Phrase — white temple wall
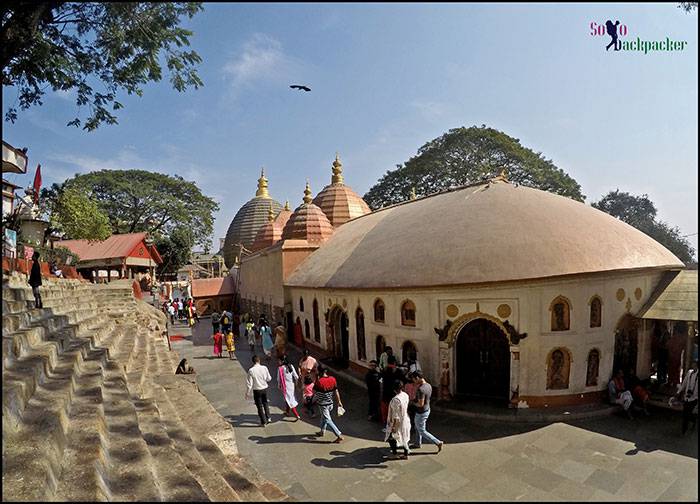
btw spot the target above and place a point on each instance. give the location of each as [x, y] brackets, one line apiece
[528, 304]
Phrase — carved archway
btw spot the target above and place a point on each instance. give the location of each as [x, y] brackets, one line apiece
[463, 320]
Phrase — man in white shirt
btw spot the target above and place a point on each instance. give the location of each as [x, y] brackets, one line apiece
[688, 393]
[258, 378]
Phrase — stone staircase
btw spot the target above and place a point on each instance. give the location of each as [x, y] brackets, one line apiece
[92, 409]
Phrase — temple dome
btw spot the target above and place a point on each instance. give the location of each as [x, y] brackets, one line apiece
[308, 222]
[284, 215]
[338, 201]
[491, 232]
[248, 220]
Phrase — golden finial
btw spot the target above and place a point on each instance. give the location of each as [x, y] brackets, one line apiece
[271, 213]
[413, 193]
[286, 205]
[262, 185]
[337, 170]
[307, 193]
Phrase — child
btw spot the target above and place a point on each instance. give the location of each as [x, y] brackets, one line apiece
[309, 394]
[229, 345]
[218, 338]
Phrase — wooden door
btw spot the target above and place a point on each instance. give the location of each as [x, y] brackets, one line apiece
[483, 361]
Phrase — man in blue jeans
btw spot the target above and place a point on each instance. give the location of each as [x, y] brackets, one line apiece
[422, 404]
[325, 389]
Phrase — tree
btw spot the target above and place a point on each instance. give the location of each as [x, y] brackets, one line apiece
[79, 217]
[77, 45]
[175, 250]
[640, 212]
[138, 200]
[465, 156]
[688, 6]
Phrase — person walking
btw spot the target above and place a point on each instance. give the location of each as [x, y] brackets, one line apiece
[308, 365]
[308, 394]
[171, 312]
[266, 339]
[180, 309]
[226, 320]
[250, 334]
[215, 321]
[688, 394]
[35, 280]
[230, 346]
[398, 425]
[325, 389]
[280, 339]
[286, 379]
[373, 380]
[422, 405]
[218, 343]
[390, 374]
[256, 382]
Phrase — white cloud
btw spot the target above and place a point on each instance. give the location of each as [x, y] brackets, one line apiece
[262, 59]
[430, 110]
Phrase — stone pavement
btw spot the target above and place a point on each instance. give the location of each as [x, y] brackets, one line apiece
[602, 459]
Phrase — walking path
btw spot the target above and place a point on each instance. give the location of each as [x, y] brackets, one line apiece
[607, 458]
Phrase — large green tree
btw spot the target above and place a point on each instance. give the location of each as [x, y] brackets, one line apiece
[79, 217]
[466, 156]
[175, 250]
[640, 212]
[139, 200]
[95, 49]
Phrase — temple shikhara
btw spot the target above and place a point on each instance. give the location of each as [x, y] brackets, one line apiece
[501, 291]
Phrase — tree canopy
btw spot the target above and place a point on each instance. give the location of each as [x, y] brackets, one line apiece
[175, 250]
[79, 217]
[640, 212]
[139, 200]
[96, 49]
[465, 156]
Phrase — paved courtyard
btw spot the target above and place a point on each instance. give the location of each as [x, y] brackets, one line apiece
[603, 459]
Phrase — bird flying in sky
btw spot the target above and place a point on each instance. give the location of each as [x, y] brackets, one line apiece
[297, 86]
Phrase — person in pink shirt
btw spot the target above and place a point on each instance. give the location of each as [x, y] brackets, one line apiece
[307, 366]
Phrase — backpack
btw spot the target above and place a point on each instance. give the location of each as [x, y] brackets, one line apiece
[225, 320]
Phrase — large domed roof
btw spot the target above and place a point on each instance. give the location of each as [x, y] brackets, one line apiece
[248, 221]
[308, 222]
[490, 232]
[338, 201]
[271, 232]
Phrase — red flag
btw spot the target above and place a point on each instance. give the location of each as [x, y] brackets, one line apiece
[37, 183]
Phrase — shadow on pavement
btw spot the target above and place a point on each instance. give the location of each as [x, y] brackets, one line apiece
[660, 431]
[291, 438]
[362, 458]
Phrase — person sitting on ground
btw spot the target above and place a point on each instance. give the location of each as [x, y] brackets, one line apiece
[640, 395]
[184, 368]
[618, 394]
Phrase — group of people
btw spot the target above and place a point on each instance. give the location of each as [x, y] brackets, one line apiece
[318, 389]
[399, 397]
[628, 391]
[181, 309]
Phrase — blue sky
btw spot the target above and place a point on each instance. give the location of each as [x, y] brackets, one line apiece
[386, 78]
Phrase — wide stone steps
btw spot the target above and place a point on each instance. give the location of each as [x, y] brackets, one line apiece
[92, 409]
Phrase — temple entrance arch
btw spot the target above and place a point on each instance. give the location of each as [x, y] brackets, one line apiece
[339, 335]
[482, 361]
